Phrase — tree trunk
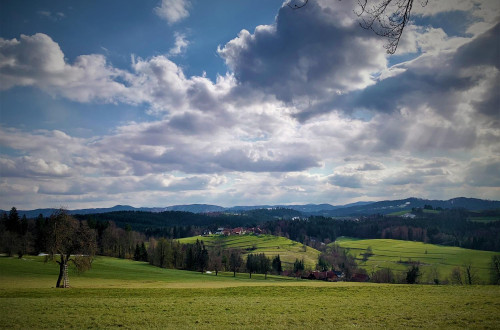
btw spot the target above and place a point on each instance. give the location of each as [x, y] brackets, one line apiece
[61, 272]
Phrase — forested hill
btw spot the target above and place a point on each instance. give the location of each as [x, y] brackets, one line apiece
[353, 209]
[388, 207]
[152, 222]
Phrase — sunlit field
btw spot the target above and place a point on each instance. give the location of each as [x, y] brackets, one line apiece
[395, 254]
[271, 245]
[123, 293]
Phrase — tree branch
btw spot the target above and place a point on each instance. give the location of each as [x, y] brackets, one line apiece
[295, 6]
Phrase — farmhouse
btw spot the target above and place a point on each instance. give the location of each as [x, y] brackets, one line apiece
[238, 231]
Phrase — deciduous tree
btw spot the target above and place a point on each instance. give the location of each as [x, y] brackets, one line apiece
[235, 261]
[70, 241]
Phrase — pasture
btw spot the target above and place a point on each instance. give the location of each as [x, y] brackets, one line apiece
[121, 293]
[271, 245]
[396, 254]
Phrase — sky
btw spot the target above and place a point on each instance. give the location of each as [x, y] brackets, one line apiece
[157, 103]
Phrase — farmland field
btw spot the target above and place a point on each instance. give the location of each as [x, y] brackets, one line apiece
[120, 293]
[400, 213]
[395, 254]
[484, 219]
[270, 245]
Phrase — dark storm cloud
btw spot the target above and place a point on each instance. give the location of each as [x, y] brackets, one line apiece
[370, 166]
[483, 173]
[238, 160]
[484, 50]
[346, 180]
[311, 52]
[434, 80]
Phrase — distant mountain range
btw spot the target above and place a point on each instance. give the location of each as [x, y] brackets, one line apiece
[353, 209]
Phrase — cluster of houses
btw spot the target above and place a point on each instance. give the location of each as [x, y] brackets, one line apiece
[235, 231]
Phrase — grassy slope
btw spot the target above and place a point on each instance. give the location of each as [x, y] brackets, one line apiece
[32, 272]
[388, 253]
[117, 293]
[270, 245]
[484, 219]
[399, 213]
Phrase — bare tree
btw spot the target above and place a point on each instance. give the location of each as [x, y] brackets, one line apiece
[235, 261]
[433, 275]
[71, 241]
[386, 18]
[297, 5]
[456, 276]
[470, 274]
[215, 260]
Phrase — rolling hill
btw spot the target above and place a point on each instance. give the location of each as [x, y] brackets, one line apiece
[271, 245]
[396, 254]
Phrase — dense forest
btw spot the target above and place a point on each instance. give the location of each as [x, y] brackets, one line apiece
[177, 224]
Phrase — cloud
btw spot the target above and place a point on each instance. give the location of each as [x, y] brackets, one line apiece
[346, 180]
[28, 166]
[483, 172]
[307, 55]
[180, 45]
[51, 16]
[371, 166]
[306, 96]
[38, 61]
[413, 176]
[173, 11]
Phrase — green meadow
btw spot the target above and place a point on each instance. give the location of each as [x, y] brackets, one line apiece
[395, 254]
[271, 245]
[126, 294]
[484, 219]
[400, 213]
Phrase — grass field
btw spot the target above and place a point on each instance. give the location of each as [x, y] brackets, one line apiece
[399, 213]
[271, 245]
[121, 293]
[33, 272]
[484, 219]
[389, 253]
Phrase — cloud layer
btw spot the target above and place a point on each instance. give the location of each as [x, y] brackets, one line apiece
[310, 110]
